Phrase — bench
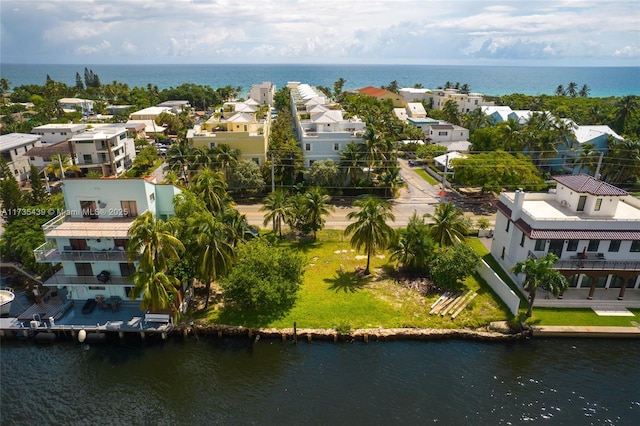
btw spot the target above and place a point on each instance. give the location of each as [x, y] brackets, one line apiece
[160, 318]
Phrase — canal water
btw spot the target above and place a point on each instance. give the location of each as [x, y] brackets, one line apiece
[229, 381]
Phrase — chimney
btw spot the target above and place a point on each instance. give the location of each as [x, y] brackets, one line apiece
[518, 201]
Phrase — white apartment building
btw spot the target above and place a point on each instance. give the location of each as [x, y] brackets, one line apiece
[592, 226]
[13, 146]
[263, 93]
[91, 238]
[320, 127]
[106, 148]
[54, 133]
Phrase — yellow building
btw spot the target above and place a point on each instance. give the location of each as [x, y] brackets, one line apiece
[242, 131]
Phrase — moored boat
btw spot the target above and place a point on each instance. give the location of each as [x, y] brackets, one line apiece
[6, 297]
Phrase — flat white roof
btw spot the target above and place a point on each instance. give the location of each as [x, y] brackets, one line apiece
[17, 140]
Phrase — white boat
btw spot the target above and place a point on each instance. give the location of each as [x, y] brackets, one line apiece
[6, 297]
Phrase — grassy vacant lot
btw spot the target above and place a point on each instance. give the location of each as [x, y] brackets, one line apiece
[579, 317]
[334, 296]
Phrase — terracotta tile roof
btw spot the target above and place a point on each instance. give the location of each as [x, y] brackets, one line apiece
[374, 91]
[589, 184]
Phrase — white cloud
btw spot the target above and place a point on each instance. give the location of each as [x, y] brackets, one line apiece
[283, 30]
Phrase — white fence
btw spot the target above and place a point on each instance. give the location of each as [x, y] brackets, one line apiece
[503, 291]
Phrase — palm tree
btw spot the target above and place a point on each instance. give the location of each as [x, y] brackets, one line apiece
[625, 108]
[158, 289]
[351, 162]
[278, 210]
[588, 157]
[211, 188]
[370, 230]
[512, 136]
[373, 145]
[413, 247]
[391, 180]
[226, 157]
[155, 242]
[449, 224]
[584, 91]
[572, 89]
[560, 90]
[316, 207]
[450, 112]
[540, 272]
[60, 165]
[215, 251]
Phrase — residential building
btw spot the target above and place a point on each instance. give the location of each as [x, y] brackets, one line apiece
[54, 133]
[263, 93]
[42, 156]
[106, 148]
[90, 239]
[466, 102]
[13, 146]
[382, 95]
[246, 129]
[412, 94]
[85, 106]
[592, 226]
[320, 127]
[416, 110]
[176, 106]
[569, 152]
[150, 113]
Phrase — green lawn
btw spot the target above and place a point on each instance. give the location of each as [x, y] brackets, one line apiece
[332, 295]
[579, 317]
[426, 176]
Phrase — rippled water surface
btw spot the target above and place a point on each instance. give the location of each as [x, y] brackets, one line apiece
[224, 381]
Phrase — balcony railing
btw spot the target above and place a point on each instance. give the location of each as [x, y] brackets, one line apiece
[597, 265]
[49, 252]
[60, 279]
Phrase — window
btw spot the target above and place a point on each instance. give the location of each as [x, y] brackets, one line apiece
[540, 245]
[307, 147]
[572, 245]
[97, 287]
[212, 144]
[443, 133]
[522, 239]
[336, 146]
[256, 160]
[614, 245]
[87, 158]
[593, 245]
[503, 253]
[635, 246]
[508, 223]
[598, 204]
[152, 197]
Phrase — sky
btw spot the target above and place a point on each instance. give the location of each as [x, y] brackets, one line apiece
[484, 32]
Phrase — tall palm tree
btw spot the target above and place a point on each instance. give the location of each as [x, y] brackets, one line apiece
[155, 242]
[316, 208]
[450, 112]
[572, 89]
[391, 180]
[372, 147]
[625, 108]
[226, 157]
[449, 224]
[278, 210]
[215, 251]
[370, 230]
[540, 272]
[588, 157]
[584, 91]
[512, 136]
[351, 162]
[211, 188]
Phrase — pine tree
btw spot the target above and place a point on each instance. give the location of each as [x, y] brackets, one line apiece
[79, 84]
[38, 191]
[10, 194]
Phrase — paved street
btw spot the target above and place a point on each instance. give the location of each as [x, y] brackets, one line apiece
[417, 196]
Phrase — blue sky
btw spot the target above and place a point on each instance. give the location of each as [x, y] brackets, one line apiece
[570, 32]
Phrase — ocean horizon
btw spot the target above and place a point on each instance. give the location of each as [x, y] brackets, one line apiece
[492, 80]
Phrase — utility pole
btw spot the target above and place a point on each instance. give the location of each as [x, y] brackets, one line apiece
[597, 173]
[273, 175]
[443, 195]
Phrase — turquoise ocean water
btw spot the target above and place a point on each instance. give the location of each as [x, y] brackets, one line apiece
[490, 80]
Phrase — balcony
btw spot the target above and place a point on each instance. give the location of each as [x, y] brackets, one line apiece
[60, 279]
[595, 264]
[50, 253]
